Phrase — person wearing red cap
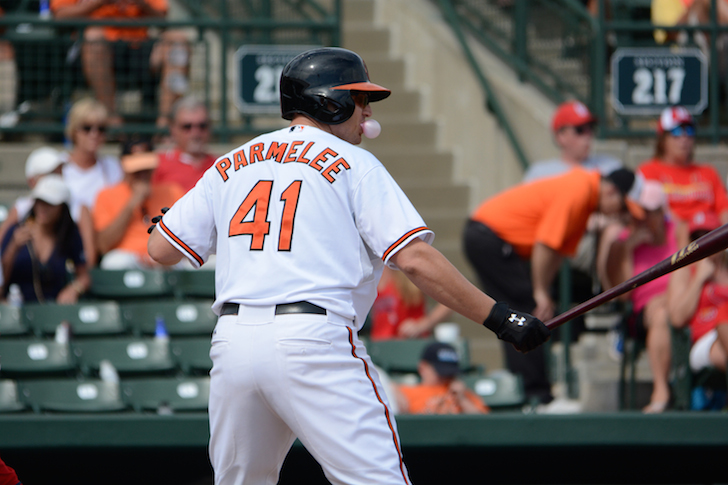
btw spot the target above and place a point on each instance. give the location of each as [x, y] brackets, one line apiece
[698, 299]
[690, 187]
[643, 243]
[573, 129]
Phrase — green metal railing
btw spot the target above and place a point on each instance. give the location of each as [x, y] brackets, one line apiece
[50, 77]
[564, 51]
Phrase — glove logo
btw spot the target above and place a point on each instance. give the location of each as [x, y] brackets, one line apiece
[520, 321]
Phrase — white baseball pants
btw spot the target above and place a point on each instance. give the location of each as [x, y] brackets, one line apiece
[276, 378]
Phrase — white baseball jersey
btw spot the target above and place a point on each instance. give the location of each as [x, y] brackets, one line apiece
[296, 214]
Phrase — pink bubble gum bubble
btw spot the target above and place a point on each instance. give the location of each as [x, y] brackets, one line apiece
[371, 128]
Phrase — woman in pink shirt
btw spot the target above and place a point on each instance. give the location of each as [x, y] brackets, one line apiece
[641, 245]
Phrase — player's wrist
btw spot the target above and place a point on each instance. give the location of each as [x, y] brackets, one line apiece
[497, 316]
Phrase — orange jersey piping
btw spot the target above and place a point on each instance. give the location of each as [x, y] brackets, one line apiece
[403, 238]
[181, 244]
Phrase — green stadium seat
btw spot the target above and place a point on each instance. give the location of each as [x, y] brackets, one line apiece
[180, 317]
[126, 284]
[129, 355]
[193, 283]
[9, 400]
[500, 389]
[11, 322]
[35, 357]
[192, 354]
[167, 394]
[72, 396]
[402, 356]
[85, 318]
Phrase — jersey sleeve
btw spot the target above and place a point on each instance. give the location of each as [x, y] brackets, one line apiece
[385, 217]
[189, 225]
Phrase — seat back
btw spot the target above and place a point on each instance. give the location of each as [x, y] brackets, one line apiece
[402, 356]
[192, 354]
[35, 357]
[11, 322]
[180, 317]
[167, 394]
[9, 399]
[129, 355]
[125, 284]
[87, 318]
[70, 395]
[193, 283]
[500, 389]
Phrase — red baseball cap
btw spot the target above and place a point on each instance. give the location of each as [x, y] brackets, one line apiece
[673, 117]
[704, 221]
[571, 113]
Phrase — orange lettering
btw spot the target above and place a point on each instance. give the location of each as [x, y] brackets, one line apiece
[276, 151]
[256, 153]
[239, 159]
[291, 156]
[305, 150]
[334, 167]
[322, 157]
[222, 166]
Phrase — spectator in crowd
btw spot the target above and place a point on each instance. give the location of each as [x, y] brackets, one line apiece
[38, 252]
[573, 128]
[41, 161]
[188, 159]
[439, 391]
[517, 240]
[8, 475]
[698, 299]
[86, 171]
[644, 243]
[106, 49]
[399, 310]
[690, 187]
[123, 213]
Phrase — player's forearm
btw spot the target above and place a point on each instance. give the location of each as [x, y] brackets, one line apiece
[161, 250]
[545, 263]
[431, 272]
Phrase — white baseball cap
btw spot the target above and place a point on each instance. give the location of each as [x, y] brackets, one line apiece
[51, 189]
[42, 161]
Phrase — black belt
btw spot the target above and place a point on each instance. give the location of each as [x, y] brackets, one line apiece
[284, 309]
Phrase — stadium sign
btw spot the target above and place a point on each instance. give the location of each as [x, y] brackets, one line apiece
[647, 80]
[259, 70]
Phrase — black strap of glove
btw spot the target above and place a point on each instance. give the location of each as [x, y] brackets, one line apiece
[497, 316]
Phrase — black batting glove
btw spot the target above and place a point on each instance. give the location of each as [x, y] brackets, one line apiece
[524, 331]
[156, 219]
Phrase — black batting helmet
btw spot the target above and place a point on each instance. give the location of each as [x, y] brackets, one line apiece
[319, 83]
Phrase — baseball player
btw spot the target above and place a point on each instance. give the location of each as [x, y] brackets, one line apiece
[302, 222]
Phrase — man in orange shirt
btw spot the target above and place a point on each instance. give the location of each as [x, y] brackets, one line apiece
[123, 212]
[106, 49]
[439, 391]
[517, 240]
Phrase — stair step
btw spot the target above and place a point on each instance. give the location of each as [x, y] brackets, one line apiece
[357, 12]
[367, 41]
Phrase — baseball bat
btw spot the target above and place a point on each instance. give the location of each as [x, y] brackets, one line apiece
[702, 247]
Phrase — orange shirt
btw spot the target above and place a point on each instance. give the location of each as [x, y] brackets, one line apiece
[111, 201]
[119, 11]
[690, 188]
[436, 399]
[553, 211]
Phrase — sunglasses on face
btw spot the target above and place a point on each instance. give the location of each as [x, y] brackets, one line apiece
[683, 130]
[586, 129]
[89, 128]
[361, 99]
[200, 126]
